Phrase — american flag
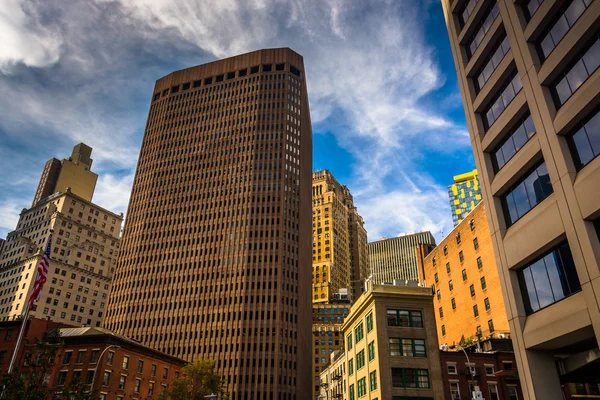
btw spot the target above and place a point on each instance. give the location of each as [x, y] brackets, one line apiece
[42, 273]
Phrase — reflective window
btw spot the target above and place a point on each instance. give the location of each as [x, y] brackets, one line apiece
[513, 142]
[585, 141]
[494, 59]
[486, 25]
[503, 99]
[530, 190]
[549, 279]
[466, 11]
[531, 7]
[585, 65]
[560, 25]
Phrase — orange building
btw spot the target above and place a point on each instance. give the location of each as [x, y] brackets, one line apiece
[462, 269]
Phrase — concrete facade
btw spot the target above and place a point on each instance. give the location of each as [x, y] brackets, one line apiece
[534, 64]
[216, 259]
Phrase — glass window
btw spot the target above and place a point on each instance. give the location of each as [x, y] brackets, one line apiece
[349, 339]
[105, 378]
[584, 142]
[512, 393]
[122, 382]
[472, 290]
[560, 25]
[549, 279]
[503, 99]
[465, 12]
[373, 380]
[125, 362]
[513, 142]
[370, 322]
[571, 79]
[407, 318]
[362, 387]
[493, 391]
[479, 263]
[371, 351]
[475, 311]
[453, 301]
[454, 391]
[483, 284]
[351, 392]
[494, 59]
[464, 274]
[530, 190]
[486, 302]
[450, 285]
[67, 357]
[530, 7]
[140, 367]
[360, 359]
[491, 325]
[484, 27]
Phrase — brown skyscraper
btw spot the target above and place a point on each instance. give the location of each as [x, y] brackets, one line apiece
[529, 77]
[216, 251]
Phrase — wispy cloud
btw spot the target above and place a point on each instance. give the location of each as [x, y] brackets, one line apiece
[89, 74]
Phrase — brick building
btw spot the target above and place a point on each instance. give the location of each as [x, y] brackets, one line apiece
[462, 270]
[124, 369]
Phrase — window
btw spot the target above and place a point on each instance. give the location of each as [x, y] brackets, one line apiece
[359, 332]
[452, 369]
[369, 322]
[513, 142]
[360, 359]
[153, 370]
[125, 362]
[67, 357]
[371, 351]
[528, 192]
[436, 277]
[472, 225]
[105, 378]
[475, 243]
[476, 39]
[530, 8]
[483, 284]
[465, 12]
[491, 325]
[407, 347]
[362, 387]
[441, 312]
[464, 274]
[165, 373]
[410, 378]
[445, 250]
[80, 356]
[450, 285]
[496, 56]
[94, 357]
[584, 142]
[89, 377]
[486, 301]
[136, 388]
[479, 263]
[549, 279]
[453, 301]
[503, 99]
[475, 311]
[140, 367]
[439, 295]
[443, 330]
[373, 380]
[110, 357]
[454, 391]
[349, 341]
[448, 267]
[351, 392]
[512, 393]
[406, 318]
[493, 391]
[560, 26]
[489, 370]
[461, 257]
[350, 366]
[150, 388]
[585, 65]
[433, 262]
[122, 382]
[458, 238]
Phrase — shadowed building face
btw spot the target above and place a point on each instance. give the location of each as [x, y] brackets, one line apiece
[216, 261]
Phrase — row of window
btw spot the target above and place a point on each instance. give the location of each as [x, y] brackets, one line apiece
[361, 386]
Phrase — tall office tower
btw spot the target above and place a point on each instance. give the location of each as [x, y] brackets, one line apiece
[529, 81]
[216, 248]
[85, 244]
[339, 239]
[465, 194]
[396, 259]
[73, 172]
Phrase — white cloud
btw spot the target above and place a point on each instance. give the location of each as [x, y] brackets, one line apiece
[112, 192]
[9, 214]
[23, 39]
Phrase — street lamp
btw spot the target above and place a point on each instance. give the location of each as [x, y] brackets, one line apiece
[113, 346]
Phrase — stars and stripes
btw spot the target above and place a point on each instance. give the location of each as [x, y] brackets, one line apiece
[42, 273]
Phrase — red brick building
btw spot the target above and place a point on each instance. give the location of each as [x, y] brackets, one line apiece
[494, 373]
[124, 369]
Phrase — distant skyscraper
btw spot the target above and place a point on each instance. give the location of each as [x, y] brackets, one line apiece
[84, 247]
[396, 258]
[339, 240]
[464, 194]
[216, 250]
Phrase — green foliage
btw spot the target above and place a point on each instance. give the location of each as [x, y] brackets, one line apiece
[197, 380]
[30, 382]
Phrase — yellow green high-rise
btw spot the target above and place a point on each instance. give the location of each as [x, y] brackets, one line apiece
[464, 195]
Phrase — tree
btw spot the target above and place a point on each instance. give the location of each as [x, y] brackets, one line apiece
[30, 382]
[197, 380]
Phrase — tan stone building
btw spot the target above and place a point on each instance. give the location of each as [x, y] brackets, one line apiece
[333, 378]
[339, 240]
[528, 73]
[391, 347]
[462, 271]
[216, 250]
[85, 244]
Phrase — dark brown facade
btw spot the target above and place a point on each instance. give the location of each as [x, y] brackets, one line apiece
[529, 78]
[216, 261]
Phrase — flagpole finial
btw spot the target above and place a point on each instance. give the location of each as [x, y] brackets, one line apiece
[51, 230]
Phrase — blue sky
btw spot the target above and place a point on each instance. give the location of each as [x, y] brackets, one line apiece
[385, 104]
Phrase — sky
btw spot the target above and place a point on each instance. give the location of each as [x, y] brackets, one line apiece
[387, 115]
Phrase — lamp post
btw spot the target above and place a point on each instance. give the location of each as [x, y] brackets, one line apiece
[112, 346]
[471, 370]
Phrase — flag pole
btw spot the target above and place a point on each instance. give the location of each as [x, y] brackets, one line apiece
[13, 359]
